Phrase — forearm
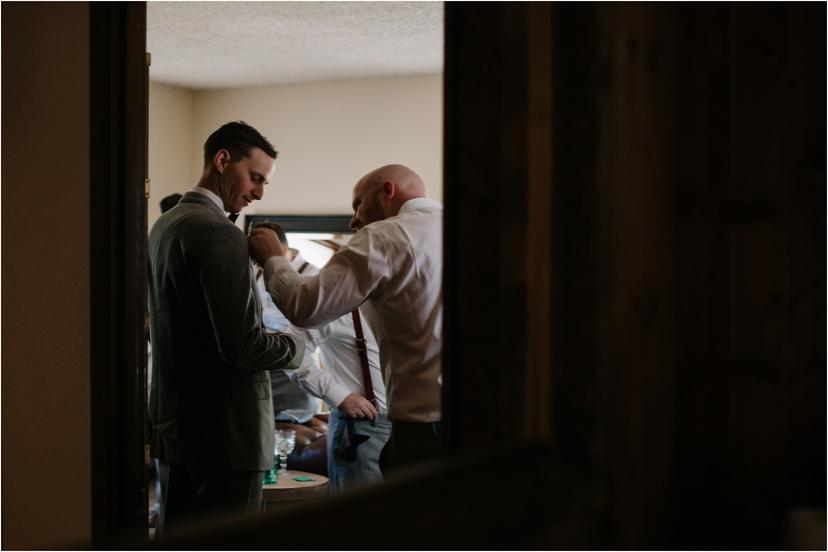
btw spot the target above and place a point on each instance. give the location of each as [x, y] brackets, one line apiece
[268, 352]
[319, 384]
[309, 301]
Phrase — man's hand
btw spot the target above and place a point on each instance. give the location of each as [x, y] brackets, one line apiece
[264, 244]
[357, 406]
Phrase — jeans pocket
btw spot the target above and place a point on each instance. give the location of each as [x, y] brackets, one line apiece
[347, 440]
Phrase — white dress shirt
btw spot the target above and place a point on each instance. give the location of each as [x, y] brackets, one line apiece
[393, 269]
[341, 372]
[286, 391]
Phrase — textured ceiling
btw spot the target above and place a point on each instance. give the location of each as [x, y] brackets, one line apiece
[233, 44]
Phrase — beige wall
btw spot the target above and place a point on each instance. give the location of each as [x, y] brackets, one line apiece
[328, 135]
[46, 431]
[170, 157]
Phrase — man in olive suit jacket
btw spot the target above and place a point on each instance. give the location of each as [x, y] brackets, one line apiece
[211, 408]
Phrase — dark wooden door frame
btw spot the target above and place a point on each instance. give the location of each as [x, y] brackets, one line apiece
[118, 206]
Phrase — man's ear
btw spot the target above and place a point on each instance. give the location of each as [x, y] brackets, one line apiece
[390, 189]
[220, 160]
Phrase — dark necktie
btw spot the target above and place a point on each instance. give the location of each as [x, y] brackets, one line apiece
[233, 217]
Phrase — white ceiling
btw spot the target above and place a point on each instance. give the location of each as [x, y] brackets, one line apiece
[234, 44]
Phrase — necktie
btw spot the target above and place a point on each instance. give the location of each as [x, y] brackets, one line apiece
[233, 217]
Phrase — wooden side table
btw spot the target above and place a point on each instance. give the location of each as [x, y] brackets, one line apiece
[287, 489]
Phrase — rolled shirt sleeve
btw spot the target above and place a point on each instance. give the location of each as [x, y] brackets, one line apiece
[318, 382]
[349, 278]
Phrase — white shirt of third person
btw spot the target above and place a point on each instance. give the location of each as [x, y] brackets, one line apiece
[341, 372]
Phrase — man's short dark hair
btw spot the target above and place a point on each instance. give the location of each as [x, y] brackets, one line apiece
[169, 202]
[276, 228]
[239, 139]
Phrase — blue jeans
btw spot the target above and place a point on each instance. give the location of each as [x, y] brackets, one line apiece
[349, 463]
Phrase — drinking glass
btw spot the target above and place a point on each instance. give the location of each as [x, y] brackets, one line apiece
[270, 475]
[285, 441]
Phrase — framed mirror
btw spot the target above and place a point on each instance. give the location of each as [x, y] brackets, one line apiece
[318, 237]
[324, 224]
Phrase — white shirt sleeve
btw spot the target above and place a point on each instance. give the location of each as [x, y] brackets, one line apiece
[343, 284]
[318, 382]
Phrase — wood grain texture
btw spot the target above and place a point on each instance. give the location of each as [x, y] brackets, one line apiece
[119, 85]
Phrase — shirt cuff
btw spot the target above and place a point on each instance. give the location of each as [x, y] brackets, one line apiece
[336, 396]
[276, 263]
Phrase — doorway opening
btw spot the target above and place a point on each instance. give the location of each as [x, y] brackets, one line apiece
[339, 88]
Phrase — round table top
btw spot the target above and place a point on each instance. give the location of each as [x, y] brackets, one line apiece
[288, 488]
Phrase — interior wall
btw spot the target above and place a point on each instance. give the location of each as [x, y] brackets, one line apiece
[170, 154]
[330, 134]
[327, 133]
[46, 433]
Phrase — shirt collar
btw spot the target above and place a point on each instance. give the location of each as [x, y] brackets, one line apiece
[213, 197]
[420, 203]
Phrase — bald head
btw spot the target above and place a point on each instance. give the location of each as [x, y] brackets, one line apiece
[408, 183]
[380, 193]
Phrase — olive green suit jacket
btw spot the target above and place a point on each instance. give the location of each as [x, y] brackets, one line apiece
[210, 401]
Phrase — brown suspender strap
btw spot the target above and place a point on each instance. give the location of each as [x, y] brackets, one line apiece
[362, 349]
[303, 267]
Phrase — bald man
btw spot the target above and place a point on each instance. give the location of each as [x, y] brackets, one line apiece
[392, 269]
